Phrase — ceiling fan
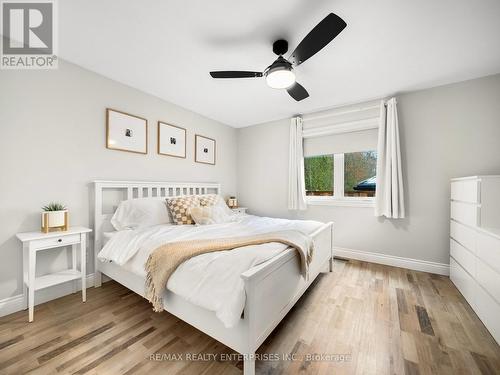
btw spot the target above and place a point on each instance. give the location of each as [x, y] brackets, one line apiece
[280, 74]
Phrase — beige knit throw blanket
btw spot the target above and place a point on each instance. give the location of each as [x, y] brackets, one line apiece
[164, 260]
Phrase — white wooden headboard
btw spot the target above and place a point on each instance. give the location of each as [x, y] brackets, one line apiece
[123, 190]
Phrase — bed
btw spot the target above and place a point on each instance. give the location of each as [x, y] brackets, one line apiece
[264, 304]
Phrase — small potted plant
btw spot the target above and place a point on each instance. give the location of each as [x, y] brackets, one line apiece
[54, 217]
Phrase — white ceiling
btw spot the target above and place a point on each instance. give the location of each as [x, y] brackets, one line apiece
[166, 48]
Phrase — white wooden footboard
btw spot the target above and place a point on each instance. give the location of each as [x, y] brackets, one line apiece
[273, 289]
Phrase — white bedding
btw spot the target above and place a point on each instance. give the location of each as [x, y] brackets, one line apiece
[211, 280]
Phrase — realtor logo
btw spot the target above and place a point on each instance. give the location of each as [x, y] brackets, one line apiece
[29, 36]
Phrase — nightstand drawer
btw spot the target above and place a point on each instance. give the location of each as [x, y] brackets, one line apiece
[239, 210]
[61, 240]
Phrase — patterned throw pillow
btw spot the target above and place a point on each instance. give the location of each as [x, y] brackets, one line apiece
[179, 208]
[209, 199]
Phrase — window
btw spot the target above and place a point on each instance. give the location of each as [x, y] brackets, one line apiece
[318, 172]
[359, 174]
[339, 157]
[346, 178]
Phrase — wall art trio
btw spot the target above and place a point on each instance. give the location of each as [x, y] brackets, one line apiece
[127, 132]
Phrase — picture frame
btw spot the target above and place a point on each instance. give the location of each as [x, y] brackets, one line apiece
[205, 150]
[172, 140]
[126, 132]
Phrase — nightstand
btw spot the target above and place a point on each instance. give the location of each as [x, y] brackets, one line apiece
[38, 241]
[239, 210]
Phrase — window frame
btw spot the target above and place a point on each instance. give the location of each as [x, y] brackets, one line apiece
[338, 198]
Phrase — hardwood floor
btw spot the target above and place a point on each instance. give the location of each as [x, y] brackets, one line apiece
[361, 319]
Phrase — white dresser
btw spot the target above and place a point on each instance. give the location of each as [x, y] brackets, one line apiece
[475, 245]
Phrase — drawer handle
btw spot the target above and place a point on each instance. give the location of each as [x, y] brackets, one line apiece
[59, 240]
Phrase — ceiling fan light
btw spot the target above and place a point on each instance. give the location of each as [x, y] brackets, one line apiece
[280, 78]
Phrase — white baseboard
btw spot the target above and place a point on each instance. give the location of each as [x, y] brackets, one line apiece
[391, 260]
[13, 304]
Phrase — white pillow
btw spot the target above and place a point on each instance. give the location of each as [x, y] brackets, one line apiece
[140, 213]
[215, 200]
[107, 236]
[205, 215]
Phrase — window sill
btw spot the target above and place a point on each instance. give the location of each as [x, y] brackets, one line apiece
[340, 202]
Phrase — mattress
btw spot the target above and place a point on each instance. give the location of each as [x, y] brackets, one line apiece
[211, 280]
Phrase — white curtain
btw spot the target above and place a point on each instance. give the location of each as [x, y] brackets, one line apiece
[296, 184]
[389, 199]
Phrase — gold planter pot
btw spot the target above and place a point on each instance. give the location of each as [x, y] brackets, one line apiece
[54, 221]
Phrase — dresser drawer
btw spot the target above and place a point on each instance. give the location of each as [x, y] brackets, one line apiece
[489, 279]
[463, 235]
[465, 191]
[465, 213]
[62, 240]
[463, 256]
[463, 281]
[488, 249]
[488, 311]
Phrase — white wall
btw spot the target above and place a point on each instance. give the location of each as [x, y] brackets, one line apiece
[52, 145]
[446, 132]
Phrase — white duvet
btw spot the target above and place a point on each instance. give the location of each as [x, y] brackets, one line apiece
[211, 280]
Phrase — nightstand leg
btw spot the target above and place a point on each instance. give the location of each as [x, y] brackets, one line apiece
[83, 265]
[73, 253]
[31, 283]
[25, 274]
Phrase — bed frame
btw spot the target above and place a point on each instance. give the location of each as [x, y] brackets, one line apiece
[266, 304]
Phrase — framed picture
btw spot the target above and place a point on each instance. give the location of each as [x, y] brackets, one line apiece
[126, 132]
[171, 140]
[204, 150]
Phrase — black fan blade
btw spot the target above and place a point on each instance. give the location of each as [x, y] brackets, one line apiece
[235, 74]
[298, 92]
[319, 37]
